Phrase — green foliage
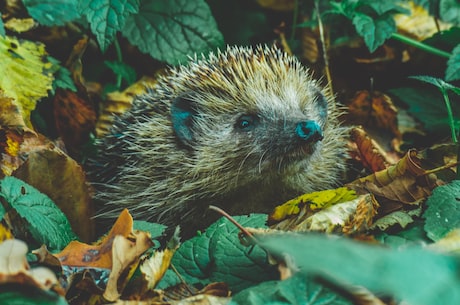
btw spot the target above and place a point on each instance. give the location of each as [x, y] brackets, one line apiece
[425, 104]
[47, 224]
[412, 274]
[167, 30]
[449, 11]
[107, 17]
[62, 77]
[217, 255]
[297, 289]
[20, 295]
[2, 27]
[373, 19]
[453, 65]
[444, 88]
[443, 212]
[171, 30]
[122, 70]
[52, 12]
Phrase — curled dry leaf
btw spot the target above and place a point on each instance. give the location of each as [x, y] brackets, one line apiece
[14, 268]
[125, 257]
[370, 153]
[405, 182]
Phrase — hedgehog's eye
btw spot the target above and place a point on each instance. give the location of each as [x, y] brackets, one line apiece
[246, 122]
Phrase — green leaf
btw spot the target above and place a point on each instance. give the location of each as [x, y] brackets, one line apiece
[125, 71]
[14, 294]
[47, 223]
[375, 31]
[218, 256]
[443, 212]
[449, 11]
[427, 105]
[453, 65]
[172, 30]
[62, 76]
[52, 12]
[411, 274]
[2, 27]
[298, 289]
[107, 17]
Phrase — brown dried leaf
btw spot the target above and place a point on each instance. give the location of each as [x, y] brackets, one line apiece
[372, 156]
[126, 252]
[374, 109]
[404, 182]
[75, 118]
[62, 179]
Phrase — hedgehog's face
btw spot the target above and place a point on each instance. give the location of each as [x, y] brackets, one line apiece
[254, 134]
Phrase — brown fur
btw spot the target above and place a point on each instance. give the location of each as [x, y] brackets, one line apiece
[148, 166]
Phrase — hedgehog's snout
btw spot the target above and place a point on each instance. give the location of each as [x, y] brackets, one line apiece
[309, 131]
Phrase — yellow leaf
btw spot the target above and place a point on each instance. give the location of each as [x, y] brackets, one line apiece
[26, 75]
[316, 201]
[20, 25]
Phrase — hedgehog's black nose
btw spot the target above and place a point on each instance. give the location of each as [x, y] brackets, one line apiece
[309, 131]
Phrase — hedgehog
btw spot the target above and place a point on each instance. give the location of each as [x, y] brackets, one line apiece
[244, 129]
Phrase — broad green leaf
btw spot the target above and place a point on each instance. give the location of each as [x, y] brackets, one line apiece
[449, 11]
[52, 12]
[443, 212]
[172, 30]
[413, 275]
[125, 71]
[453, 65]
[25, 72]
[374, 30]
[217, 255]
[297, 289]
[48, 225]
[15, 294]
[427, 105]
[107, 17]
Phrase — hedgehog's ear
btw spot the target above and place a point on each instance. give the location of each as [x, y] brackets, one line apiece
[182, 115]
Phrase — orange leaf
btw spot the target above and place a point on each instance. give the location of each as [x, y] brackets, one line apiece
[100, 255]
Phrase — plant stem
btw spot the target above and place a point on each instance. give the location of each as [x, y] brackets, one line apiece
[450, 114]
[119, 59]
[420, 45]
